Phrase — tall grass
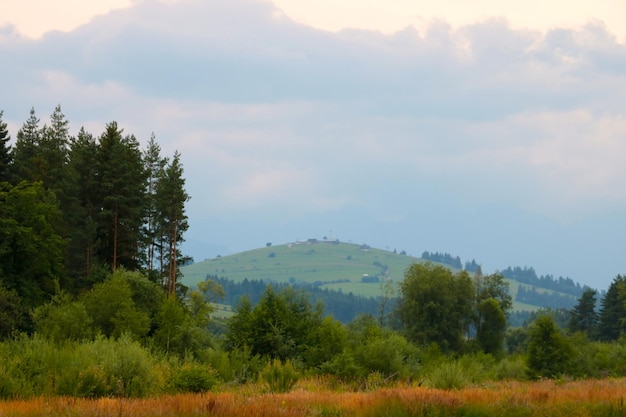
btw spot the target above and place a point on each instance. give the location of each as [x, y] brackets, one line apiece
[543, 398]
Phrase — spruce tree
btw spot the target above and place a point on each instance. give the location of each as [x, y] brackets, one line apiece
[122, 184]
[172, 197]
[152, 234]
[5, 151]
[613, 311]
[82, 221]
[583, 318]
[26, 166]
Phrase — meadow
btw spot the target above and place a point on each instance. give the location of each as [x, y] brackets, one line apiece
[316, 397]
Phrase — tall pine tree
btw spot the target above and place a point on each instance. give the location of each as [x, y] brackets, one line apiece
[121, 180]
[5, 151]
[26, 163]
[172, 197]
[613, 311]
[83, 198]
[154, 165]
[583, 318]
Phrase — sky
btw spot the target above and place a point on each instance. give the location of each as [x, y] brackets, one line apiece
[494, 132]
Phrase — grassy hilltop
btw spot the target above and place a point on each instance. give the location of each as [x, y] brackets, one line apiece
[336, 265]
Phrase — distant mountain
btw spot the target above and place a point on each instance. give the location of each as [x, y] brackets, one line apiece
[360, 269]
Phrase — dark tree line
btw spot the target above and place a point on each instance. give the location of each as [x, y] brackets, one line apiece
[76, 208]
[443, 258]
[529, 276]
[344, 307]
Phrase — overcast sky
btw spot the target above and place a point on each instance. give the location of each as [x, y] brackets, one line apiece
[495, 132]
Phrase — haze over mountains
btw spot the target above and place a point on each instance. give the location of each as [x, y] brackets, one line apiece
[485, 141]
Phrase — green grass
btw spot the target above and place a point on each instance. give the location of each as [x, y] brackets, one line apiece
[307, 263]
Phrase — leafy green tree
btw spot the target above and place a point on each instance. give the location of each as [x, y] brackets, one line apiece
[548, 350]
[612, 321]
[200, 301]
[121, 192]
[63, 319]
[584, 318]
[281, 326]
[5, 151]
[31, 246]
[171, 198]
[13, 314]
[492, 306]
[491, 327]
[112, 309]
[436, 305]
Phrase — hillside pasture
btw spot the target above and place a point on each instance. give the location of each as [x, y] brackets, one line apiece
[338, 266]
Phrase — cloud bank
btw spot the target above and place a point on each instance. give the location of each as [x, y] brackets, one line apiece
[485, 141]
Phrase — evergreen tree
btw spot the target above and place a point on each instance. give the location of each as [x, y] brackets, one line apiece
[121, 185]
[52, 152]
[152, 234]
[5, 151]
[612, 320]
[82, 220]
[171, 196]
[26, 164]
[583, 318]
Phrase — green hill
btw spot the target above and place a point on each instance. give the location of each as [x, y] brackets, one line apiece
[329, 264]
[334, 265]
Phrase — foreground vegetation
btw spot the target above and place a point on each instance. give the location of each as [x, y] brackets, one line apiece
[314, 398]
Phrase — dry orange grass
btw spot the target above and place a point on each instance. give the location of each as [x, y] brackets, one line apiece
[579, 398]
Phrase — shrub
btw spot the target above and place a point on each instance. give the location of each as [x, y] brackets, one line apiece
[448, 376]
[194, 377]
[280, 377]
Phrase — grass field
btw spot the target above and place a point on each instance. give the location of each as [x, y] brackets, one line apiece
[314, 398]
[303, 262]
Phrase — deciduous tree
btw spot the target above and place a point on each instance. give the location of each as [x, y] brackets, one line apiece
[436, 305]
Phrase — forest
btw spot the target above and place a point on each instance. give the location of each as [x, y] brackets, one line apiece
[92, 305]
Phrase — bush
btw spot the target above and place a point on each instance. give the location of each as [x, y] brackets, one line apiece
[448, 376]
[194, 377]
[280, 377]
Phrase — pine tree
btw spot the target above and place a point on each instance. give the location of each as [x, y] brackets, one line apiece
[172, 197]
[121, 182]
[26, 164]
[82, 195]
[5, 151]
[583, 318]
[613, 311]
[52, 151]
[154, 165]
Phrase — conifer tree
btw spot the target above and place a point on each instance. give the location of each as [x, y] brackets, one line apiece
[26, 165]
[82, 221]
[5, 151]
[172, 197]
[152, 233]
[121, 192]
[613, 311]
[583, 318]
